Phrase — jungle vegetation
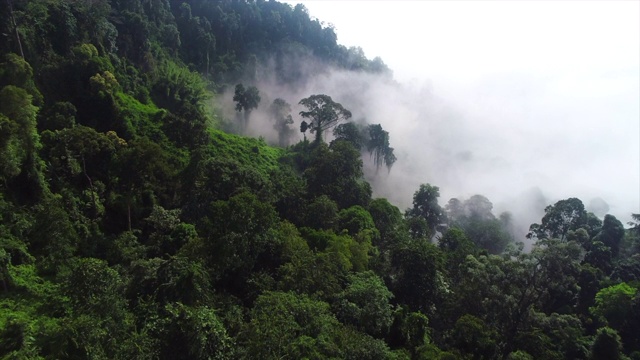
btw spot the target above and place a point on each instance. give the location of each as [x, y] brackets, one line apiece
[134, 227]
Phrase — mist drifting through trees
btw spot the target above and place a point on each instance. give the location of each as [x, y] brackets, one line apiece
[224, 180]
[551, 109]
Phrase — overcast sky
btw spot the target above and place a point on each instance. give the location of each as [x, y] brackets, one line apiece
[543, 93]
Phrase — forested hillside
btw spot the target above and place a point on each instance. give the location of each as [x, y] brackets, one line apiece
[140, 222]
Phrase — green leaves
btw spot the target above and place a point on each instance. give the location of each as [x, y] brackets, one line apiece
[564, 215]
[372, 137]
[425, 206]
[323, 112]
[18, 137]
[195, 332]
[613, 304]
[470, 335]
[336, 172]
[132, 230]
[354, 220]
[280, 112]
[238, 231]
[17, 72]
[607, 345]
[93, 287]
[378, 146]
[176, 87]
[290, 325]
[350, 132]
[246, 100]
[99, 318]
[611, 234]
[417, 278]
[365, 304]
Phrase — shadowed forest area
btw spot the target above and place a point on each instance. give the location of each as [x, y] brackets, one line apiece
[140, 221]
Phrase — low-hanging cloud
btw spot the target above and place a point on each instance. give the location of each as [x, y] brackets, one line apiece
[522, 152]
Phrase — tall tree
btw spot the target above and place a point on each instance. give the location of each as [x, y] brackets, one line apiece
[378, 147]
[281, 113]
[425, 206]
[323, 112]
[350, 132]
[611, 234]
[365, 304]
[559, 218]
[246, 100]
[19, 142]
[16, 71]
[15, 27]
[607, 345]
[288, 325]
[635, 223]
[416, 275]
[614, 305]
[304, 126]
[479, 207]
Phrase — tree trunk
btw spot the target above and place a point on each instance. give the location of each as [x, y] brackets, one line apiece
[247, 113]
[15, 26]
[93, 194]
[207, 70]
[318, 135]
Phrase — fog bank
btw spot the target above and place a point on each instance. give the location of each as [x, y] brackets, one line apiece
[519, 151]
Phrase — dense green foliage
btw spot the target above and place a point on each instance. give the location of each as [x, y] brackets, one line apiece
[132, 227]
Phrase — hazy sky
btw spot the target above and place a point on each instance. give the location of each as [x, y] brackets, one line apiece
[529, 94]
